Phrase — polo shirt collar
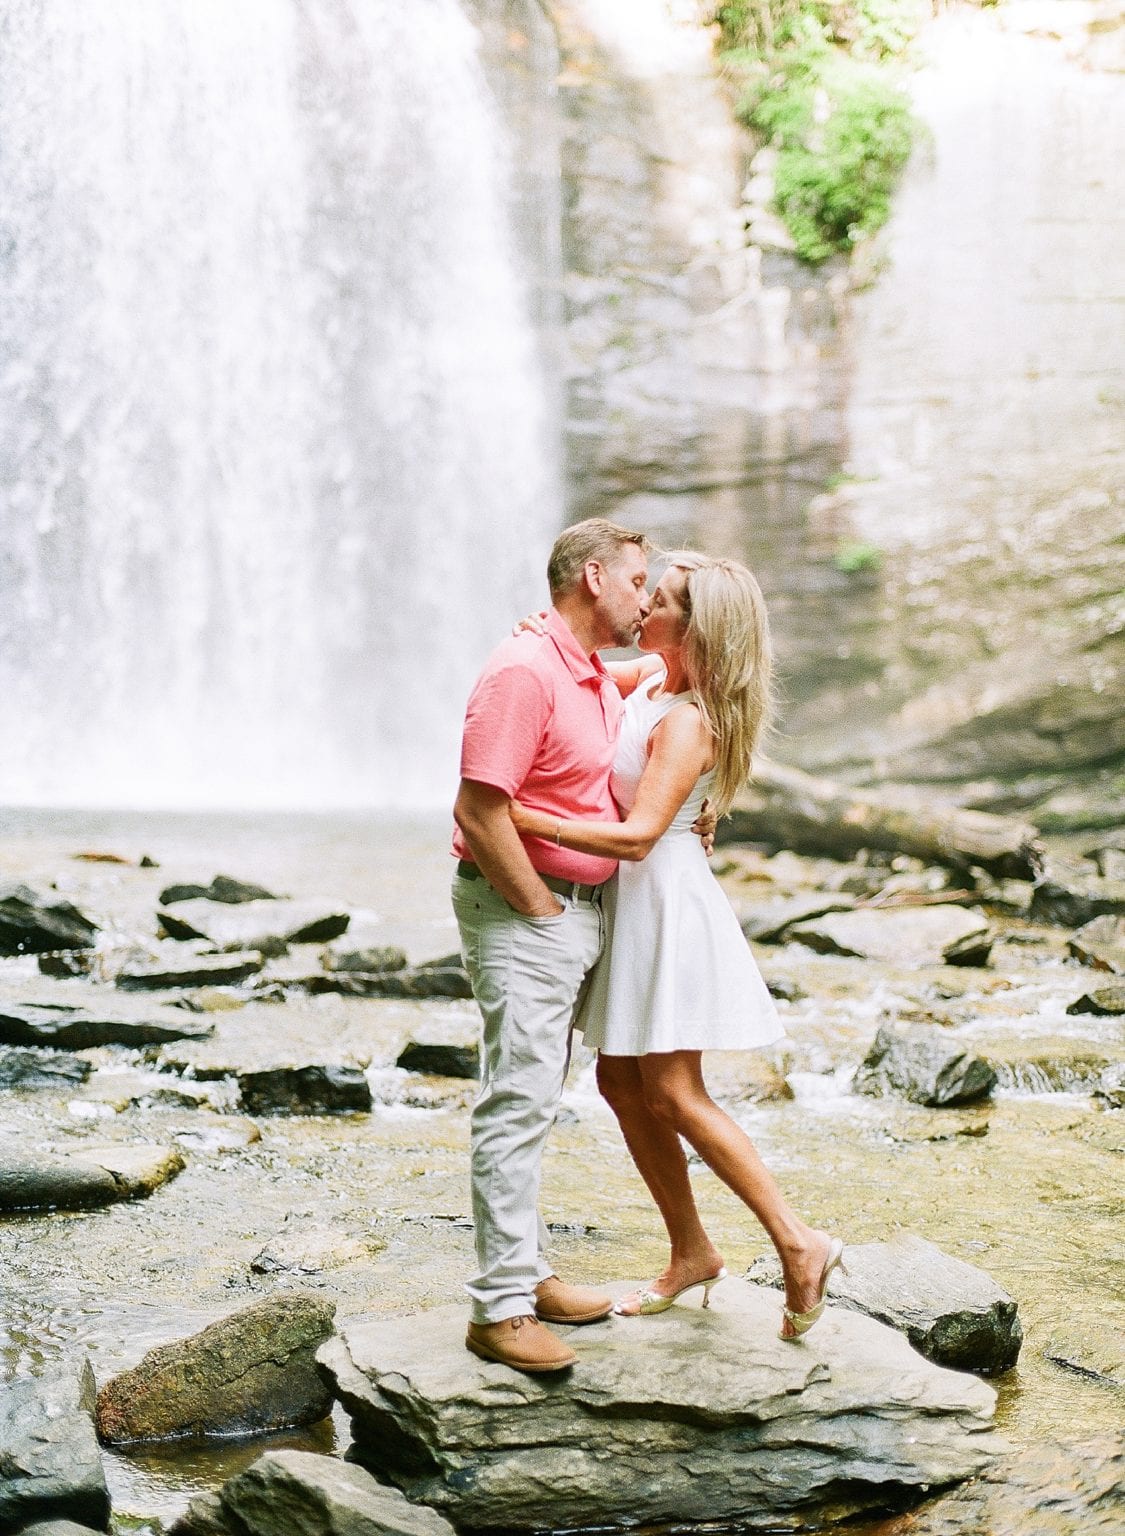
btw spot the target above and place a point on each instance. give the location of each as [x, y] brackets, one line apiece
[582, 668]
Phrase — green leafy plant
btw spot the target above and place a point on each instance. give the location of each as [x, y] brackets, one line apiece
[853, 555]
[815, 82]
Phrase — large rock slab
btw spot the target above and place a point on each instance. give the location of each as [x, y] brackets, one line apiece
[137, 1171]
[30, 1068]
[318, 1088]
[952, 1312]
[30, 923]
[49, 1462]
[924, 1066]
[372, 959]
[254, 1370]
[902, 936]
[284, 1492]
[1102, 1001]
[1101, 943]
[266, 926]
[1053, 1488]
[80, 1028]
[701, 1416]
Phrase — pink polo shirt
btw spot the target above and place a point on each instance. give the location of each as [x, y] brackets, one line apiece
[542, 726]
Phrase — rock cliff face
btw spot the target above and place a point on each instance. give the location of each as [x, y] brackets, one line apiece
[711, 385]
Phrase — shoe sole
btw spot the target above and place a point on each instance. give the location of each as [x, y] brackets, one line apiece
[532, 1367]
[574, 1317]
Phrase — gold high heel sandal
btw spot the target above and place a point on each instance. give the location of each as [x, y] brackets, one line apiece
[652, 1301]
[801, 1322]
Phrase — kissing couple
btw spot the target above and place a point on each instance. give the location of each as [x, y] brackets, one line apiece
[584, 899]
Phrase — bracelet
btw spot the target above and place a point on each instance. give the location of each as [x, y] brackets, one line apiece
[558, 834]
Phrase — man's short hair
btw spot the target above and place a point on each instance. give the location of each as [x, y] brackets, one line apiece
[595, 539]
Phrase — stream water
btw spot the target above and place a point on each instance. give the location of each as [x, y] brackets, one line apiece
[1028, 1188]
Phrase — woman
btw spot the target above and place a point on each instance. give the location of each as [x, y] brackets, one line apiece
[677, 977]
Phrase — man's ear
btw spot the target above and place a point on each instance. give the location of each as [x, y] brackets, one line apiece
[593, 573]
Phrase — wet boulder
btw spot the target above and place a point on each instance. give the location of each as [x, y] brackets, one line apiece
[1071, 893]
[319, 1088]
[268, 927]
[30, 1068]
[443, 1050]
[56, 1024]
[167, 971]
[224, 888]
[57, 1528]
[724, 1422]
[1101, 943]
[50, 1468]
[924, 1066]
[30, 923]
[897, 936]
[1052, 1488]
[252, 1371]
[62, 964]
[137, 1171]
[288, 1491]
[952, 1312]
[1050, 1065]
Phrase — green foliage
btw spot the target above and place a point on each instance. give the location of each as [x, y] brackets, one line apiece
[816, 82]
[854, 555]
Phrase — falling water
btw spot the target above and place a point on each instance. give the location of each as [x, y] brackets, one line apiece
[277, 451]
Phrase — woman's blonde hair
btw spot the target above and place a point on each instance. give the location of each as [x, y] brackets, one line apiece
[728, 659]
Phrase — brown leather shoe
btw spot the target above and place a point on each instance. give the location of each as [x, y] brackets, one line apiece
[521, 1342]
[557, 1302]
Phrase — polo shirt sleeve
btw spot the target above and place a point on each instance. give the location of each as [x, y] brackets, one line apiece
[505, 721]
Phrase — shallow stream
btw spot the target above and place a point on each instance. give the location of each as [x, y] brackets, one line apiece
[375, 1206]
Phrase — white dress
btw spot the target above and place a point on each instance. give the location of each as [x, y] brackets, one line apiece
[676, 973]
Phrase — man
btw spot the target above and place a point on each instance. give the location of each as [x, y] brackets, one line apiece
[541, 727]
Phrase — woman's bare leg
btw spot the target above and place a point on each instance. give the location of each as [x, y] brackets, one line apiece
[677, 1095]
[655, 1147]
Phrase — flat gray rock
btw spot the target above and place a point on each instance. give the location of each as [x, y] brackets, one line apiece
[443, 1050]
[224, 888]
[167, 973]
[924, 1065]
[1101, 943]
[698, 1416]
[265, 926]
[373, 959]
[80, 1028]
[89, 1177]
[50, 1468]
[417, 981]
[30, 923]
[253, 1370]
[284, 1492]
[770, 922]
[898, 936]
[952, 1312]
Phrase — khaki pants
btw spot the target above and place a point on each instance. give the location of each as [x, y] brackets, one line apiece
[527, 973]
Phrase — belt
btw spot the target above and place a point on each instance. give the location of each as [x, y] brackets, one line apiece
[554, 883]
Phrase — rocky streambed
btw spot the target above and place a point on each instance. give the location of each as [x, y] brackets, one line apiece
[261, 1138]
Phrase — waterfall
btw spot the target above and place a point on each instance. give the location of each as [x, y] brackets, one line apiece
[277, 447]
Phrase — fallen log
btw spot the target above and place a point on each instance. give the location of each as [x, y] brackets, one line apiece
[785, 808]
